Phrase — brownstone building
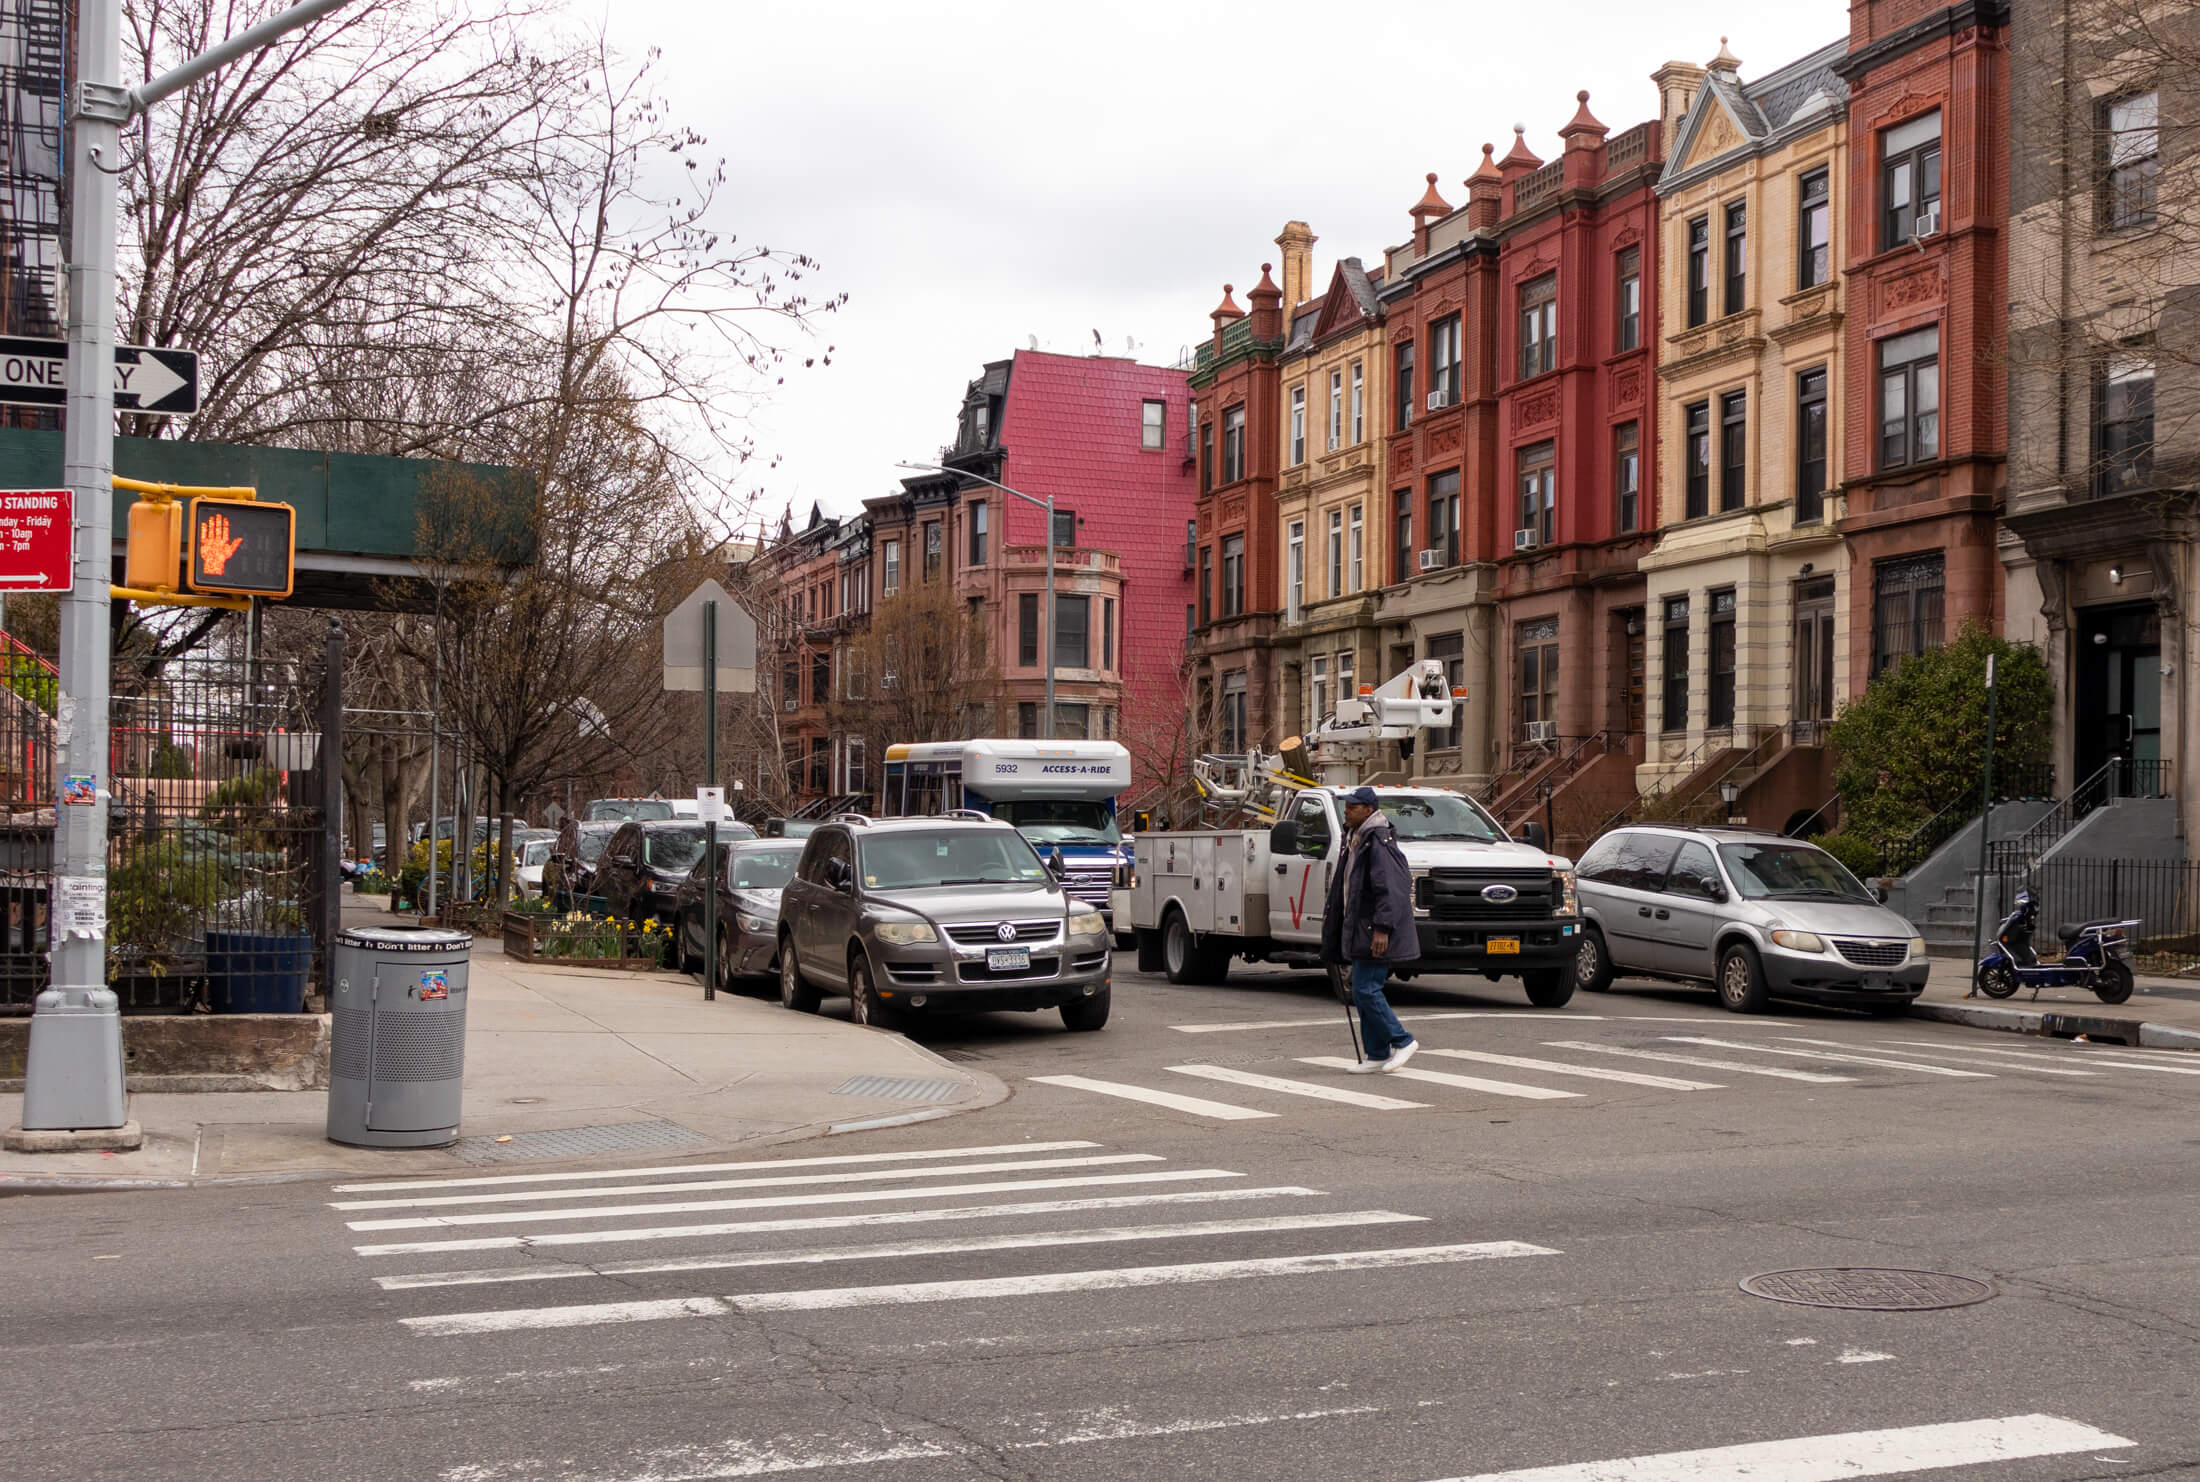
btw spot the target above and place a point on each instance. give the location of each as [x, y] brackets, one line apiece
[1927, 304]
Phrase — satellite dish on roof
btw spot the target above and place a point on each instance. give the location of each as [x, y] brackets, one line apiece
[1034, 339]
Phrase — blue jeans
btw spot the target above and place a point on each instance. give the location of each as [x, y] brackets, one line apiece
[1380, 1030]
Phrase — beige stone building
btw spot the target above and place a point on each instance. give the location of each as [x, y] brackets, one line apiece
[1747, 596]
[1330, 488]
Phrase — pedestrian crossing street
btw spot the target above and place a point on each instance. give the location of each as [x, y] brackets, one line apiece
[1651, 1059]
[512, 1259]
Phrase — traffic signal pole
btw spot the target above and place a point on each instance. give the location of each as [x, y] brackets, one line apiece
[73, 1072]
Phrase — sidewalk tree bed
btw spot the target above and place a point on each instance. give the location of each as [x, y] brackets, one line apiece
[541, 935]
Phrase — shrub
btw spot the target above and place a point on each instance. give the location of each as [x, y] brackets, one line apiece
[1860, 856]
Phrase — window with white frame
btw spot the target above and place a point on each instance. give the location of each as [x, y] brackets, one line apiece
[2134, 140]
[1298, 425]
[1356, 550]
[1359, 404]
[1294, 573]
[1317, 691]
[1336, 553]
[1336, 410]
[1153, 425]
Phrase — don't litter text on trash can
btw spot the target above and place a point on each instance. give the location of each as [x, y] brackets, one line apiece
[397, 1050]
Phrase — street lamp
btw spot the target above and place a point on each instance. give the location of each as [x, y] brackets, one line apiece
[1729, 790]
[1046, 727]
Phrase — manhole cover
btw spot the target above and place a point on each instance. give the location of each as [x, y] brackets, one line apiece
[1869, 1289]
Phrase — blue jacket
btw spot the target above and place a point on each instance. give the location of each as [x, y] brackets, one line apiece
[1372, 888]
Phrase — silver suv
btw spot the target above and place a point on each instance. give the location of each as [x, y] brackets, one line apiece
[1758, 915]
[953, 914]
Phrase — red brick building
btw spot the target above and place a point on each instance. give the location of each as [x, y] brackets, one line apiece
[1576, 502]
[1236, 602]
[1927, 306]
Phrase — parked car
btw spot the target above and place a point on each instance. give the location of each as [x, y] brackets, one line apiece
[642, 867]
[751, 874]
[938, 915]
[627, 810]
[1757, 915]
[789, 828]
[532, 848]
[572, 868]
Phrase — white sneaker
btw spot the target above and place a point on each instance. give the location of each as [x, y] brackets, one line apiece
[1400, 1055]
[1366, 1067]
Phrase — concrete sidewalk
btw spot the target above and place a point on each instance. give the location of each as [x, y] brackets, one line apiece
[569, 1063]
[2161, 1012]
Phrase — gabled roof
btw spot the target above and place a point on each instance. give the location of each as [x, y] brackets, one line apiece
[1730, 118]
[1350, 301]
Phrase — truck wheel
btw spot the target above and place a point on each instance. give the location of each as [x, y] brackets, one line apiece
[1083, 1015]
[1742, 979]
[1340, 981]
[795, 991]
[1592, 964]
[1180, 955]
[1214, 964]
[1550, 988]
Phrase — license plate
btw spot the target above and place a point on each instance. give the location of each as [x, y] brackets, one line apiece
[1008, 959]
[1500, 946]
[1877, 981]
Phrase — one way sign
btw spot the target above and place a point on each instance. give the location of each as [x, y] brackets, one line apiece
[163, 382]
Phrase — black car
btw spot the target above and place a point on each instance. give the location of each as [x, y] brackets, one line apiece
[751, 875]
[640, 870]
[573, 859]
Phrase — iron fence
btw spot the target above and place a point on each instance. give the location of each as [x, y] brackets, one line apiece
[2162, 895]
[220, 867]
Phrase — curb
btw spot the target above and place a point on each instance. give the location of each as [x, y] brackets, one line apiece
[2042, 1022]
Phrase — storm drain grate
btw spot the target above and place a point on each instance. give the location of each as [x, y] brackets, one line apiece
[577, 1142]
[896, 1088]
[1869, 1289]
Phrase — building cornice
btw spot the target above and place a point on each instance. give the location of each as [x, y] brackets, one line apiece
[1940, 24]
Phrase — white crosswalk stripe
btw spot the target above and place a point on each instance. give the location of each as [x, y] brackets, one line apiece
[999, 1150]
[1829, 1055]
[1887, 1049]
[2074, 1055]
[1463, 1082]
[1703, 1062]
[1233, 1076]
[1593, 1072]
[1118, 1278]
[1198, 1106]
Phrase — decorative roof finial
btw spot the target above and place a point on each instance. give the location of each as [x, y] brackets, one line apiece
[1725, 61]
[1431, 204]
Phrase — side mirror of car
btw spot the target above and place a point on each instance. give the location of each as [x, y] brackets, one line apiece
[1879, 892]
[1055, 867]
[1284, 837]
[837, 874]
[1533, 835]
[1713, 890]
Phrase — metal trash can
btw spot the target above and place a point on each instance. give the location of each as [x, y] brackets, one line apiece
[397, 1050]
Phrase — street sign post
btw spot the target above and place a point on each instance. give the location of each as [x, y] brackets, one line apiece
[710, 641]
[147, 379]
[37, 537]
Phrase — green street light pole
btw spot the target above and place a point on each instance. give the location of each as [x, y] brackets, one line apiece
[1046, 727]
[1985, 831]
[72, 1075]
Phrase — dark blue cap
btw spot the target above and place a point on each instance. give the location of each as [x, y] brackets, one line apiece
[1364, 796]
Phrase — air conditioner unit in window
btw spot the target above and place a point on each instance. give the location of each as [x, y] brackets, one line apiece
[791, 705]
[1524, 540]
[888, 681]
[1928, 223]
[1432, 560]
[1541, 730]
[1435, 401]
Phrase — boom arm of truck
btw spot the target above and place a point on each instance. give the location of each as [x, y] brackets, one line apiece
[1399, 709]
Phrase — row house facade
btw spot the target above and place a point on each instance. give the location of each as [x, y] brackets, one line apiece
[2104, 357]
[1107, 439]
[1749, 585]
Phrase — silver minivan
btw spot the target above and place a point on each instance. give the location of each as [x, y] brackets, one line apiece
[1755, 914]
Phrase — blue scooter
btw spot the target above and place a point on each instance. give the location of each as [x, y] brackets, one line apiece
[2096, 957]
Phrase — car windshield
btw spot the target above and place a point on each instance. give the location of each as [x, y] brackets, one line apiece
[672, 850]
[763, 869]
[1060, 821]
[970, 856]
[1791, 872]
[1445, 816]
[629, 810]
[592, 841]
[538, 852]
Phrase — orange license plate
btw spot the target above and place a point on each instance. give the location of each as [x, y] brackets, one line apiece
[1499, 946]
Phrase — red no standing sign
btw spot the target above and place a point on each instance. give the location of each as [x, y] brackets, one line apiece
[37, 535]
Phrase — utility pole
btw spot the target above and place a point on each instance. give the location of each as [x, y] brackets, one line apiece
[73, 1074]
[1985, 832]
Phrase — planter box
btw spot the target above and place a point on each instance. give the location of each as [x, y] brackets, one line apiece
[532, 938]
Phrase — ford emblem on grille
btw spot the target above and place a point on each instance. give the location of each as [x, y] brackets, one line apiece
[1005, 931]
[1498, 895]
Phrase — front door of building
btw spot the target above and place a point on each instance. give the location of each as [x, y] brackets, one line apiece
[2119, 697]
[1813, 660]
[1630, 705]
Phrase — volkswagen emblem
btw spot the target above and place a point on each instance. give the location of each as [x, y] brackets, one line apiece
[1498, 895]
[1005, 932]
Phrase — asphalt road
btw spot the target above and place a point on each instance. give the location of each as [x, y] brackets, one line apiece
[1532, 1268]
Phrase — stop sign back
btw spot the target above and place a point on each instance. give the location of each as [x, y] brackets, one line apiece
[37, 538]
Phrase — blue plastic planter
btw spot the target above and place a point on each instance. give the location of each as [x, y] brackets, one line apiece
[258, 972]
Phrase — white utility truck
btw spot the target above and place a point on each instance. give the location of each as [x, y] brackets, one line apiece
[1485, 904]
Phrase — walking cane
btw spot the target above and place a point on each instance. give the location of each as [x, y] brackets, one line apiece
[1352, 1029]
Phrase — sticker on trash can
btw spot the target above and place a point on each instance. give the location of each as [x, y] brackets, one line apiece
[435, 984]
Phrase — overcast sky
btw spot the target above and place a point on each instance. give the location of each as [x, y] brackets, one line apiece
[975, 174]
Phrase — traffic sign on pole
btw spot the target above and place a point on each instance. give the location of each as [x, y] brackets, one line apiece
[147, 379]
[37, 538]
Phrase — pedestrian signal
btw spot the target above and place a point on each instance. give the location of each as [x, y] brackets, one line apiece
[241, 547]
